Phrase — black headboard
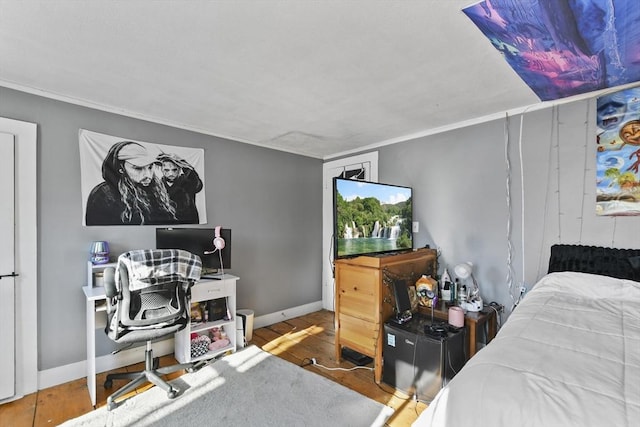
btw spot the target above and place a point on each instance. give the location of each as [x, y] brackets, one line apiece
[619, 263]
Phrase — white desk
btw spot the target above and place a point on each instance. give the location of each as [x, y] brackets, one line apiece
[203, 290]
[96, 301]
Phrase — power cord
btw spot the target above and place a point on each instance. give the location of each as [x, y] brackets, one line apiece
[314, 362]
[306, 362]
[498, 308]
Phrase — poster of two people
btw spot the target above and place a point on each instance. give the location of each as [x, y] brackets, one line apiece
[127, 182]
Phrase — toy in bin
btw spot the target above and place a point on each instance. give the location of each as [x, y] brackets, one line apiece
[218, 339]
[199, 345]
[202, 344]
[197, 312]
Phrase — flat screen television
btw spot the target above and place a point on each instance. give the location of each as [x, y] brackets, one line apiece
[371, 218]
[198, 241]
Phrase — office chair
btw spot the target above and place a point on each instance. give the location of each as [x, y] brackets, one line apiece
[148, 297]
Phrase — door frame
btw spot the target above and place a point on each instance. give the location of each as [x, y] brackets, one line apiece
[7, 266]
[26, 254]
[327, 216]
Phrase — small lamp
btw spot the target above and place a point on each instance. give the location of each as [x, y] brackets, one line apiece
[99, 252]
[474, 301]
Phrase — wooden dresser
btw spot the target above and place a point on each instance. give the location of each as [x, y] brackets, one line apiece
[363, 302]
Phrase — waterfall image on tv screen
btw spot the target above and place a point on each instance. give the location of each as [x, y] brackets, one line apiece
[371, 218]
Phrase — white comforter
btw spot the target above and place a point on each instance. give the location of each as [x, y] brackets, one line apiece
[569, 355]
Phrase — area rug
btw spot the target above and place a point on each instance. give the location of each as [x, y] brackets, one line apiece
[247, 388]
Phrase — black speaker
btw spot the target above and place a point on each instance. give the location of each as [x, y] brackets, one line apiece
[419, 364]
[217, 309]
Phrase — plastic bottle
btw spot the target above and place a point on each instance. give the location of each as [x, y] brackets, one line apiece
[444, 279]
[454, 292]
[446, 291]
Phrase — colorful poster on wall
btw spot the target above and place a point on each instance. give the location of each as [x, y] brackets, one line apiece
[128, 182]
[564, 47]
[618, 153]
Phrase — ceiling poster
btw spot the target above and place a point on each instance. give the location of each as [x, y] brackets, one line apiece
[562, 48]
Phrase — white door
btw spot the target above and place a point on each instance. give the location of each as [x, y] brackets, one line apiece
[21, 206]
[363, 167]
[7, 268]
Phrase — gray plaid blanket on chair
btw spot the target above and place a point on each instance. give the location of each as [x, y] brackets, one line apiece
[157, 266]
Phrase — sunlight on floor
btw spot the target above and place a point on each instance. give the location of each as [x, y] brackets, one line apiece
[291, 339]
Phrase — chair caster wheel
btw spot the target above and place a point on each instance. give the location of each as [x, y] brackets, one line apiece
[194, 368]
[171, 394]
[108, 384]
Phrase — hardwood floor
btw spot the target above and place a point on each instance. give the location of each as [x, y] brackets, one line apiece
[294, 340]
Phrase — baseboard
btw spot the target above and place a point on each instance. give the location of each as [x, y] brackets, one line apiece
[289, 313]
[62, 374]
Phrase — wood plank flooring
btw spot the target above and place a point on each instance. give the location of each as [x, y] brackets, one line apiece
[294, 340]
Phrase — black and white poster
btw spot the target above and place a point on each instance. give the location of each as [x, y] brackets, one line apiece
[128, 182]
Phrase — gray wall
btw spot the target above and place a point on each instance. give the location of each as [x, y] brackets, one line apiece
[271, 200]
[460, 191]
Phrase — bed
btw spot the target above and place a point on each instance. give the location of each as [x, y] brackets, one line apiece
[569, 354]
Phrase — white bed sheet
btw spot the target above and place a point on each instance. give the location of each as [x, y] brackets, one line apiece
[569, 355]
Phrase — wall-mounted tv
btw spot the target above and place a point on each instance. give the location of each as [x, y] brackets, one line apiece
[198, 241]
[371, 218]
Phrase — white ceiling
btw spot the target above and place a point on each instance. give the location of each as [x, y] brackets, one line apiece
[318, 78]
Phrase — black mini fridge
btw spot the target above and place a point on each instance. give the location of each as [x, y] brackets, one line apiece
[420, 363]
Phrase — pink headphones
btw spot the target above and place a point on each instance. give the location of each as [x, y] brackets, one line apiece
[218, 241]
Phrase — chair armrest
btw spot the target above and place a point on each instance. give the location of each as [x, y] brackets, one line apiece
[110, 282]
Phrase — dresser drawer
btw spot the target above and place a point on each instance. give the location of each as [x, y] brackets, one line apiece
[208, 290]
[358, 290]
[358, 334]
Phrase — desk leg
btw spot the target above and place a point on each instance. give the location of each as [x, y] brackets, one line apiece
[493, 327]
[91, 350]
[473, 339]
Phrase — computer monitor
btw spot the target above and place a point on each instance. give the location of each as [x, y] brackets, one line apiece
[198, 241]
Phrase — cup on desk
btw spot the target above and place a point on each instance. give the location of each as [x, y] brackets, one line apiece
[456, 316]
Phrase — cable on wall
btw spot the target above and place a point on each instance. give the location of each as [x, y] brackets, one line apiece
[522, 210]
[584, 176]
[523, 282]
[509, 277]
[332, 265]
[547, 190]
[510, 272]
[558, 176]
